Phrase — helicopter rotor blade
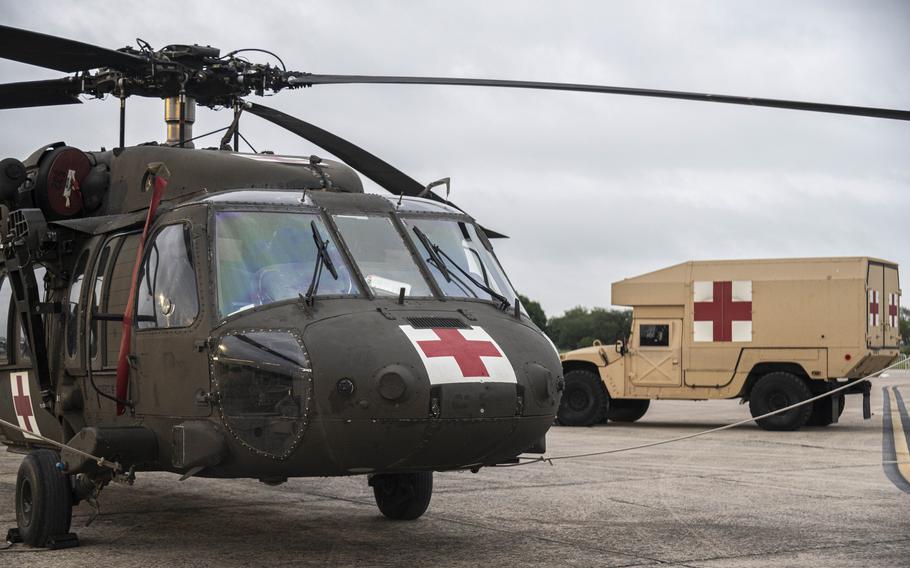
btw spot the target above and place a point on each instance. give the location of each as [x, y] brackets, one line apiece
[384, 174]
[61, 54]
[39, 93]
[315, 79]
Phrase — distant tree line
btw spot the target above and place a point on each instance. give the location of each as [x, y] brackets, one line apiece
[579, 326]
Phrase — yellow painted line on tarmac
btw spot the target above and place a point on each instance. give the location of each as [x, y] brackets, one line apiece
[901, 451]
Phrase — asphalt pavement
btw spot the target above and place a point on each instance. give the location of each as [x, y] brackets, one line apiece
[739, 498]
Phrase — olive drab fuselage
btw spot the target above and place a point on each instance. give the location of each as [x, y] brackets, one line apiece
[240, 373]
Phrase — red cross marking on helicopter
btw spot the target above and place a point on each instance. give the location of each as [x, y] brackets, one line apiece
[467, 352]
[23, 404]
[722, 311]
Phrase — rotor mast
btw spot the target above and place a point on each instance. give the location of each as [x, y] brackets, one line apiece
[179, 116]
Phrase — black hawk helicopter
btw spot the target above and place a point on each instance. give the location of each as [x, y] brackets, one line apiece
[213, 313]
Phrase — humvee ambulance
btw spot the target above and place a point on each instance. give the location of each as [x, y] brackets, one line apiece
[771, 332]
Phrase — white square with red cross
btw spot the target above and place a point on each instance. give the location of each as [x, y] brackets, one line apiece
[453, 356]
[23, 405]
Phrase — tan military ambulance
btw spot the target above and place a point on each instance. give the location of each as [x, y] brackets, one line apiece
[772, 332]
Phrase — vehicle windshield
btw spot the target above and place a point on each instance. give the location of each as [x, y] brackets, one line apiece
[263, 257]
[382, 255]
[467, 262]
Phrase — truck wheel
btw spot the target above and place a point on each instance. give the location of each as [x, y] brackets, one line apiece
[44, 498]
[403, 496]
[779, 390]
[821, 411]
[627, 410]
[585, 400]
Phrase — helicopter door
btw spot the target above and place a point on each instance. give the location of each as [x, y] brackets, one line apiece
[110, 289]
[170, 363]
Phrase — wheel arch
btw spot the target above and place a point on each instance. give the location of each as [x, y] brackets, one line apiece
[579, 365]
[759, 370]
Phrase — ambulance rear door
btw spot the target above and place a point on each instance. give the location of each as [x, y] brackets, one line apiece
[875, 323]
[891, 302]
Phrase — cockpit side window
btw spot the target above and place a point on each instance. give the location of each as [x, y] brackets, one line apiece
[263, 257]
[167, 292]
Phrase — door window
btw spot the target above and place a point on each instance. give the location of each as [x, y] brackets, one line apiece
[167, 282]
[100, 271]
[115, 293]
[654, 335]
[72, 309]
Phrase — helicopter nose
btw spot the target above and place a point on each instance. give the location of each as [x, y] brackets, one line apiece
[420, 367]
[407, 390]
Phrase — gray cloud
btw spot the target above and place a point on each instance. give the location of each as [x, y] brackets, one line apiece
[590, 188]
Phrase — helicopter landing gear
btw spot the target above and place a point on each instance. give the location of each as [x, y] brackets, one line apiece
[44, 503]
[402, 496]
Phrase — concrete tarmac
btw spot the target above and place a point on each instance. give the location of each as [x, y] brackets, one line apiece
[738, 498]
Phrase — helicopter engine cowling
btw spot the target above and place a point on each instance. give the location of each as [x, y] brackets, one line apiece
[67, 184]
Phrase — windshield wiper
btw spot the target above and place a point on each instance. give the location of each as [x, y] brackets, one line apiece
[431, 250]
[438, 256]
[322, 259]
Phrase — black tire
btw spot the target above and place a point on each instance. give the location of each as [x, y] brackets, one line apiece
[584, 401]
[779, 390]
[403, 496]
[627, 410]
[44, 498]
[821, 411]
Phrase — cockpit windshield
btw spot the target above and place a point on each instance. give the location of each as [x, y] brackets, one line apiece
[461, 265]
[263, 257]
[382, 255]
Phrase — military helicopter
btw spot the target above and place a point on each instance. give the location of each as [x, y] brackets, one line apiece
[214, 313]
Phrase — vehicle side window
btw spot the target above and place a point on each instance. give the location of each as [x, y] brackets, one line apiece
[72, 309]
[116, 293]
[167, 281]
[654, 335]
[6, 293]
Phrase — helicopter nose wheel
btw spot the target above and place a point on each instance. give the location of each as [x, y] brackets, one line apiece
[402, 496]
[44, 503]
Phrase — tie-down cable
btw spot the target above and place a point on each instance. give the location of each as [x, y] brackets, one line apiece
[550, 460]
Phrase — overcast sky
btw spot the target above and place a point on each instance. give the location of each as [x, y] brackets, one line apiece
[590, 188]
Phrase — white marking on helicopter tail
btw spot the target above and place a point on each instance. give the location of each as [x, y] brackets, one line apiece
[22, 404]
[460, 355]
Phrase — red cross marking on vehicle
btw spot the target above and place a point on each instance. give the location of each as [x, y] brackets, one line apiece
[467, 352]
[873, 307]
[723, 311]
[23, 404]
[892, 310]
